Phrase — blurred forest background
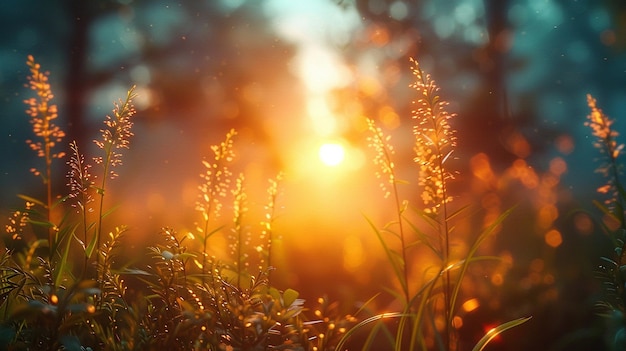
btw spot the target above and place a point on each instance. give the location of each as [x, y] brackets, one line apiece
[291, 75]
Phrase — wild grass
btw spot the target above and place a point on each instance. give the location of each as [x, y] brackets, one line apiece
[184, 298]
[426, 320]
[42, 116]
[188, 298]
[611, 272]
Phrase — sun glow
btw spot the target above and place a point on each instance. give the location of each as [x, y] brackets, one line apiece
[331, 154]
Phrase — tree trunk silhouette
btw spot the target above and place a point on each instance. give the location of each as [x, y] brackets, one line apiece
[76, 81]
[487, 121]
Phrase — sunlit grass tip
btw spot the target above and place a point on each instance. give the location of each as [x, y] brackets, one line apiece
[383, 151]
[116, 134]
[268, 235]
[434, 140]
[606, 142]
[215, 183]
[216, 178]
[42, 113]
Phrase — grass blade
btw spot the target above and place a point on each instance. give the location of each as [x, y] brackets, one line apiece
[64, 265]
[31, 199]
[391, 256]
[364, 323]
[470, 255]
[497, 331]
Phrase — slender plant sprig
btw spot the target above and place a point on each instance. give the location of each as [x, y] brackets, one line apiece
[115, 136]
[602, 128]
[611, 271]
[113, 288]
[216, 181]
[240, 237]
[42, 115]
[434, 144]
[80, 183]
[389, 184]
[18, 221]
[169, 284]
[267, 231]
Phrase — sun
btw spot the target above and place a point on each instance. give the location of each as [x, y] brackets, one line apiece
[331, 154]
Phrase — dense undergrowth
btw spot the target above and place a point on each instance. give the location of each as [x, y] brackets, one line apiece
[64, 285]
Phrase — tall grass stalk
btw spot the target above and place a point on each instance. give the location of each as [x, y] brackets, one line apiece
[606, 142]
[216, 181]
[267, 232]
[42, 115]
[437, 298]
[115, 136]
[81, 184]
[382, 158]
[434, 145]
[611, 271]
[240, 237]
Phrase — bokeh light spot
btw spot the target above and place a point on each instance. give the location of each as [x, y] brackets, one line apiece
[470, 305]
[353, 255]
[398, 10]
[565, 144]
[553, 238]
[331, 154]
[583, 223]
[558, 166]
[457, 322]
[497, 279]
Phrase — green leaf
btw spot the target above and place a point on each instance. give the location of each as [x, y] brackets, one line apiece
[366, 303]
[109, 211]
[457, 212]
[608, 260]
[31, 199]
[398, 270]
[605, 210]
[70, 343]
[422, 239]
[209, 234]
[470, 256]
[131, 271]
[44, 224]
[63, 265]
[497, 331]
[274, 293]
[366, 322]
[289, 296]
[92, 246]
[184, 255]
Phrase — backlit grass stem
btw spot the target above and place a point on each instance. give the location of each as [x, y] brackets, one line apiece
[267, 224]
[602, 128]
[115, 136]
[80, 184]
[435, 142]
[383, 151]
[42, 115]
[216, 182]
